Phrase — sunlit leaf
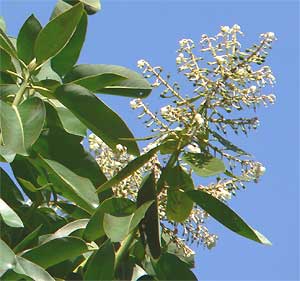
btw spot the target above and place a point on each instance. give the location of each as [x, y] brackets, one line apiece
[9, 216]
[222, 213]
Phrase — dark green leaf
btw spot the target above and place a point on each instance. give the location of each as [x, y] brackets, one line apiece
[149, 226]
[20, 265]
[204, 165]
[72, 210]
[26, 39]
[179, 205]
[28, 241]
[170, 267]
[56, 251]
[56, 34]
[47, 73]
[128, 169]
[117, 228]
[228, 145]
[112, 206]
[134, 86]
[73, 187]
[2, 24]
[226, 216]
[9, 216]
[6, 62]
[94, 114]
[22, 125]
[64, 61]
[101, 264]
[6, 44]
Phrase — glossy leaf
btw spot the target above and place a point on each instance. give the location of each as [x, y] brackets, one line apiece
[73, 187]
[113, 206]
[56, 251]
[179, 205]
[101, 264]
[26, 38]
[204, 165]
[30, 240]
[134, 86]
[9, 216]
[149, 226]
[223, 214]
[6, 61]
[170, 267]
[22, 125]
[117, 228]
[60, 7]
[131, 167]
[94, 114]
[57, 33]
[9, 261]
[64, 60]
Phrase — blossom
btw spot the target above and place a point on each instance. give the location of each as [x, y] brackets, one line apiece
[193, 148]
[165, 110]
[141, 63]
[220, 59]
[225, 29]
[136, 103]
[199, 119]
[252, 89]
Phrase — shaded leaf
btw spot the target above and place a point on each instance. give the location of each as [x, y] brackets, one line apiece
[6, 62]
[7, 45]
[22, 125]
[131, 167]
[149, 226]
[117, 228]
[112, 206]
[73, 210]
[179, 205]
[56, 34]
[170, 267]
[134, 86]
[73, 187]
[101, 263]
[68, 56]
[223, 214]
[9, 216]
[94, 114]
[2, 24]
[56, 251]
[204, 165]
[60, 7]
[26, 38]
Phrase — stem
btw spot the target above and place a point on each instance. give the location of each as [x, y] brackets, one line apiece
[21, 90]
[124, 248]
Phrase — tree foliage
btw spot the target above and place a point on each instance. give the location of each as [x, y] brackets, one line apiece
[74, 214]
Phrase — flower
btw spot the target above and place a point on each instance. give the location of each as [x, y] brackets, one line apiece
[236, 28]
[220, 59]
[141, 63]
[199, 119]
[136, 103]
[225, 29]
[180, 58]
[165, 110]
[193, 148]
[252, 89]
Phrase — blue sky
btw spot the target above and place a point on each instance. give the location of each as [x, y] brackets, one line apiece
[126, 31]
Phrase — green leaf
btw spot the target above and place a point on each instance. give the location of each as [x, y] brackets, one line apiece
[117, 228]
[112, 206]
[56, 251]
[228, 145]
[56, 34]
[2, 24]
[64, 60]
[134, 86]
[91, 6]
[101, 264]
[204, 165]
[72, 210]
[66, 230]
[73, 187]
[9, 261]
[149, 227]
[9, 192]
[128, 170]
[6, 44]
[94, 114]
[223, 214]
[26, 39]
[9, 216]
[46, 73]
[66, 149]
[69, 121]
[60, 8]
[170, 267]
[179, 205]
[6, 62]
[21, 125]
[29, 240]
